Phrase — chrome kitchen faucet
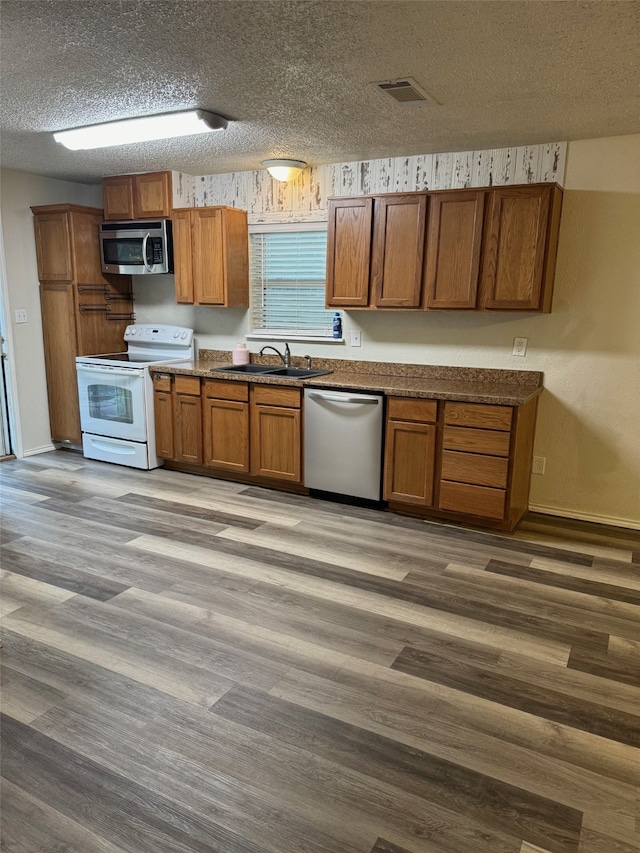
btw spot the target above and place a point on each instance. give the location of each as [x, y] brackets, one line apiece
[286, 358]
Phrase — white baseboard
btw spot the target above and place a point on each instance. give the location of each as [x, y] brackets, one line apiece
[586, 516]
[47, 448]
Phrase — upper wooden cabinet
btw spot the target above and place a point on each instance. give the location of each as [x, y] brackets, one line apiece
[145, 196]
[211, 256]
[454, 242]
[521, 241]
[349, 252]
[375, 249]
[486, 249]
[67, 244]
[398, 250]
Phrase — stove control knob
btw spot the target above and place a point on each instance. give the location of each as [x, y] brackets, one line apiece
[132, 330]
[183, 335]
[176, 334]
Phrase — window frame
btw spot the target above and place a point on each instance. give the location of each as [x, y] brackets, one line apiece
[279, 334]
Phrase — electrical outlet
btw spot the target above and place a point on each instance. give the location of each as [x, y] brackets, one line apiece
[539, 463]
[21, 315]
[356, 337]
[520, 346]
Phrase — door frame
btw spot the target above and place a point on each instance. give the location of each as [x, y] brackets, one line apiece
[11, 380]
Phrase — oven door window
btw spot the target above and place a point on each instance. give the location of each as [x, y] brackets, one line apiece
[110, 403]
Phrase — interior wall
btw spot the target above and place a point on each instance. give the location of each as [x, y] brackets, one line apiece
[588, 348]
[18, 192]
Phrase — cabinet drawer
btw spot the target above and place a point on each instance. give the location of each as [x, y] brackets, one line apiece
[478, 415]
[162, 382]
[409, 409]
[221, 389]
[475, 469]
[276, 395]
[187, 385]
[487, 441]
[472, 500]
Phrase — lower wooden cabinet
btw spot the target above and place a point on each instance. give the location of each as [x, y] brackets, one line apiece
[276, 423]
[187, 420]
[410, 451]
[178, 417]
[163, 414]
[226, 424]
[467, 461]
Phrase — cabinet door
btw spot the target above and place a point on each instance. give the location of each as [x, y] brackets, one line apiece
[226, 434]
[349, 252]
[188, 428]
[182, 256]
[85, 245]
[163, 415]
[53, 247]
[117, 194]
[60, 350]
[209, 285]
[152, 195]
[454, 242]
[398, 251]
[275, 443]
[515, 246]
[410, 462]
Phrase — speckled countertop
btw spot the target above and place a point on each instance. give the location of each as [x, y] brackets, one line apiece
[466, 384]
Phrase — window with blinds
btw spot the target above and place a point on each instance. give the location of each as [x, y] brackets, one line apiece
[287, 275]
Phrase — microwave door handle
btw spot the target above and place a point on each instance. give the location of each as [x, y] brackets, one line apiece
[145, 243]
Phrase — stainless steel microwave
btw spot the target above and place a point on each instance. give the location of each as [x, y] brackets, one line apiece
[136, 248]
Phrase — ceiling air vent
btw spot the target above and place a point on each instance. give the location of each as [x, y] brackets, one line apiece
[406, 92]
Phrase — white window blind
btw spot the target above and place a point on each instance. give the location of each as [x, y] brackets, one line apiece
[287, 273]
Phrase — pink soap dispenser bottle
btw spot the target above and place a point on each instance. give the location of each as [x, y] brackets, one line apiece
[240, 354]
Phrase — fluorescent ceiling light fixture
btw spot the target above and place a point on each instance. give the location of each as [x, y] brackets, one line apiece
[284, 170]
[131, 130]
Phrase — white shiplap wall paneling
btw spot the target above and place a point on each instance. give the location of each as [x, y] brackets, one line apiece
[462, 170]
[305, 198]
[552, 162]
[183, 189]
[527, 160]
[383, 175]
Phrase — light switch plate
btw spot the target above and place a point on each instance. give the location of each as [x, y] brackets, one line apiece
[21, 315]
[356, 338]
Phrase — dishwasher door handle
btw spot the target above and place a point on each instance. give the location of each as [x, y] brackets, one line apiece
[372, 401]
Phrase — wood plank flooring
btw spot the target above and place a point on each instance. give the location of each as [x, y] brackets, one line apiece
[196, 665]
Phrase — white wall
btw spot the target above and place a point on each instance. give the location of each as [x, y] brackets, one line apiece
[588, 348]
[19, 191]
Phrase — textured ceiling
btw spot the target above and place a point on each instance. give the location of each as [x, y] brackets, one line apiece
[295, 76]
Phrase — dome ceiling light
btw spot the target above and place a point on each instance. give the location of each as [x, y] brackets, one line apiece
[284, 170]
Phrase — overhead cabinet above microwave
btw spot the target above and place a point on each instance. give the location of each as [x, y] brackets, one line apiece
[144, 196]
[471, 249]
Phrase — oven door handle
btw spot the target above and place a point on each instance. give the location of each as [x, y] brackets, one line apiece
[145, 242]
[85, 368]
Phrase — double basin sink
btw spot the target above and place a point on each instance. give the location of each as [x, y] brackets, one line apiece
[268, 370]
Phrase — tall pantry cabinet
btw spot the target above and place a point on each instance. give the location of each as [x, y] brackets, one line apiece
[83, 311]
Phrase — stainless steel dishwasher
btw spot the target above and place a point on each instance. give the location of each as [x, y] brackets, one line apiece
[343, 442]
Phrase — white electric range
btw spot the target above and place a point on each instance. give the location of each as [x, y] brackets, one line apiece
[116, 394]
